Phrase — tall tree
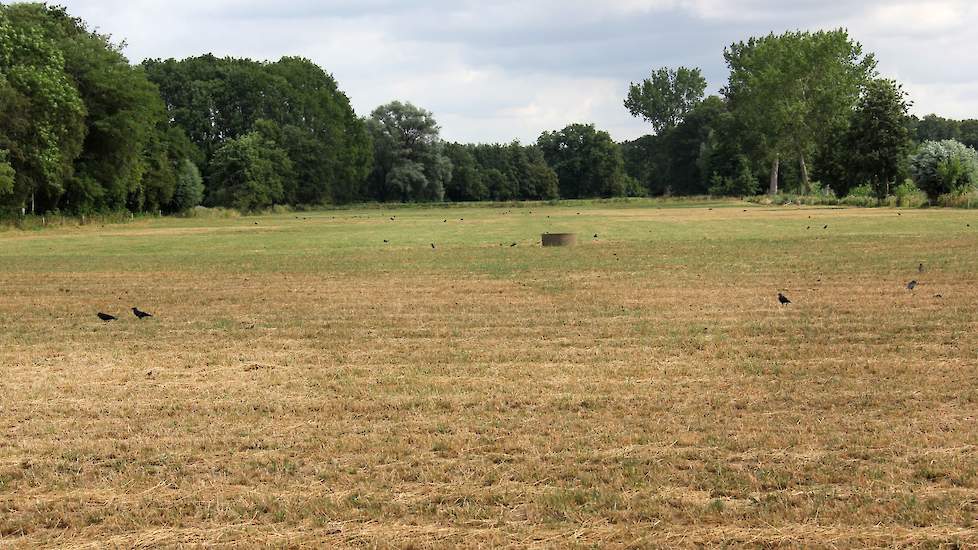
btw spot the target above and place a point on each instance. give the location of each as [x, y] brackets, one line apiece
[666, 97]
[216, 100]
[252, 172]
[588, 162]
[411, 164]
[42, 114]
[793, 89]
[878, 138]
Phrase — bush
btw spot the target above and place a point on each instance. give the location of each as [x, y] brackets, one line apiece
[968, 199]
[861, 191]
[908, 195]
[742, 184]
[860, 200]
[204, 212]
[945, 167]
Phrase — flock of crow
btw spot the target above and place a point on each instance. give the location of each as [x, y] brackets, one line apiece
[135, 311]
[911, 286]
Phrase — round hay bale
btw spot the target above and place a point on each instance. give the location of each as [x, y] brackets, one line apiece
[559, 239]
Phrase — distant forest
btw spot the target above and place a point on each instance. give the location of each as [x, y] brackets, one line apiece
[82, 130]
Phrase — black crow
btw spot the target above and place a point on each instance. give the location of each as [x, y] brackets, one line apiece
[783, 299]
[432, 245]
[595, 235]
[392, 219]
[140, 314]
[826, 227]
[512, 245]
[106, 317]
[921, 268]
[912, 285]
[386, 241]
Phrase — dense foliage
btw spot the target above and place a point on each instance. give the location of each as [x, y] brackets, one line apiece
[588, 163]
[942, 167]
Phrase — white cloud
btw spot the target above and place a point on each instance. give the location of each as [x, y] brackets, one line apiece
[504, 69]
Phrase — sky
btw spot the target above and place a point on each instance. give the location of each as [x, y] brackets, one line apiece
[494, 71]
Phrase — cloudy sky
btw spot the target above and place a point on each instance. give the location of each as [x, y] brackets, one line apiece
[495, 70]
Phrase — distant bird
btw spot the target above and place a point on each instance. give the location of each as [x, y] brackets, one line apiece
[392, 219]
[899, 214]
[106, 317]
[432, 246]
[808, 228]
[783, 299]
[140, 314]
[512, 245]
[912, 285]
[938, 295]
[826, 227]
[386, 241]
[921, 268]
[446, 221]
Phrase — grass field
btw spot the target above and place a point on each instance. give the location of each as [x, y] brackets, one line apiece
[306, 384]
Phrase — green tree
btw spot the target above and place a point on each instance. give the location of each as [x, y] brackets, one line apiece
[792, 90]
[7, 175]
[250, 173]
[878, 138]
[666, 97]
[411, 164]
[588, 162]
[936, 128]
[42, 115]
[216, 100]
[941, 167]
[189, 189]
[467, 182]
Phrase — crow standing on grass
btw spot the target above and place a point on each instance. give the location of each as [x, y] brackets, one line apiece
[912, 285]
[140, 314]
[783, 299]
[106, 317]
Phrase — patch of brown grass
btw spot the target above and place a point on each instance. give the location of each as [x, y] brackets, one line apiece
[645, 404]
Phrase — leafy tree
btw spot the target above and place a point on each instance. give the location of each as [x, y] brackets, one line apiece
[7, 175]
[189, 190]
[793, 89]
[410, 160]
[467, 182]
[588, 163]
[936, 128]
[251, 171]
[666, 97]
[878, 138]
[941, 167]
[216, 100]
[741, 185]
[689, 146]
[42, 115]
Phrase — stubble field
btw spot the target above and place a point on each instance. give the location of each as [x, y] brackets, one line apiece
[305, 383]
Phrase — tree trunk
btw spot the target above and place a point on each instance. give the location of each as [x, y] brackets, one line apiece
[32, 203]
[804, 174]
[773, 190]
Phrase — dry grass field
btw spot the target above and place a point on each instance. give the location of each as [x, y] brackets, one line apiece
[305, 384]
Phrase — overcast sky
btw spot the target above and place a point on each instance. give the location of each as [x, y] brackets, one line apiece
[499, 70]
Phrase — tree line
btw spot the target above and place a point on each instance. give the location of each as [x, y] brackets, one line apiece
[83, 130]
[805, 112]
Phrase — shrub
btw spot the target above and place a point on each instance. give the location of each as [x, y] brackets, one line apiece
[908, 195]
[860, 191]
[943, 167]
[742, 184]
[967, 199]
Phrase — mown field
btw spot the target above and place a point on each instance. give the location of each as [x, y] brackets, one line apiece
[305, 383]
